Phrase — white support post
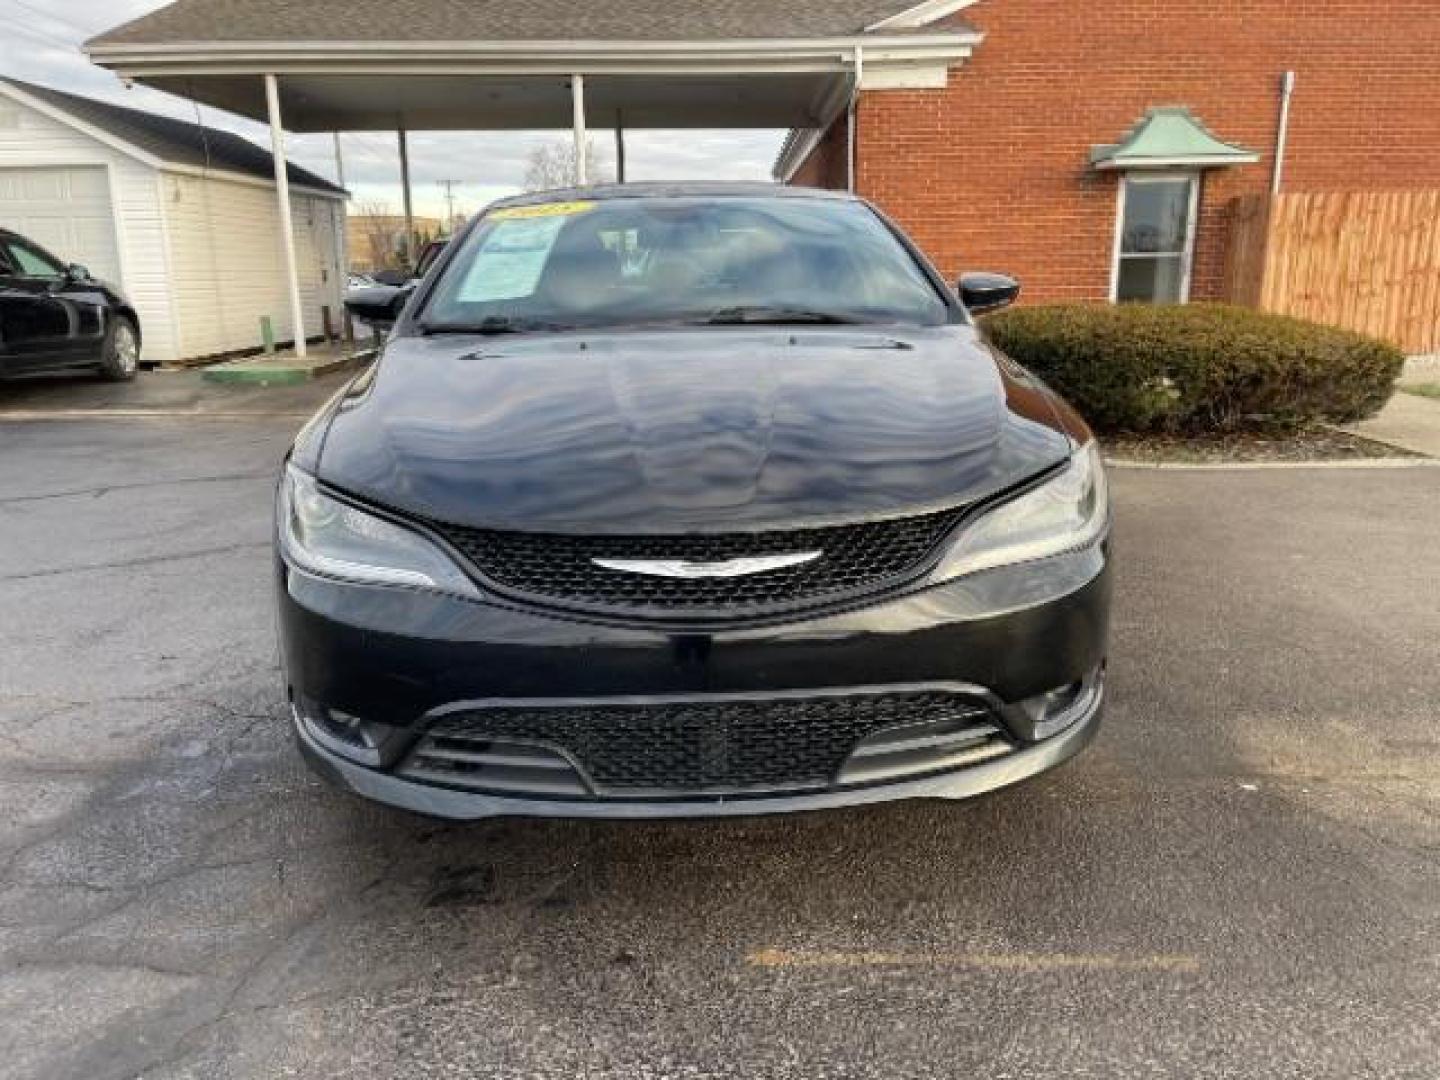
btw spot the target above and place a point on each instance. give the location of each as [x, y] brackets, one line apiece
[282, 192]
[577, 101]
[405, 191]
[339, 160]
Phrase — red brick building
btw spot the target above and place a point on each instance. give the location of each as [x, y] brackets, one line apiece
[993, 169]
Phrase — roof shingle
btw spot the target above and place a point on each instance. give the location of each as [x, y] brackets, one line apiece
[499, 20]
[174, 141]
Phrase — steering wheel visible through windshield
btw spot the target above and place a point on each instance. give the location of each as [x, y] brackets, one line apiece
[631, 261]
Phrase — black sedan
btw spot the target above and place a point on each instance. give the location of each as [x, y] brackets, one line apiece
[56, 317]
[689, 501]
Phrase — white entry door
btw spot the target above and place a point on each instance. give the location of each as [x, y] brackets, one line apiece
[65, 209]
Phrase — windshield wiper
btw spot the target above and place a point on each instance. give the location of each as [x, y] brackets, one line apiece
[775, 316]
[493, 324]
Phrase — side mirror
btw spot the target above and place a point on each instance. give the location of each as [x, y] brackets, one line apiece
[379, 305]
[981, 291]
[76, 272]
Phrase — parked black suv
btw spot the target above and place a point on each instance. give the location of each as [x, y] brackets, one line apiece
[56, 317]
[379, 305]
[691, 501]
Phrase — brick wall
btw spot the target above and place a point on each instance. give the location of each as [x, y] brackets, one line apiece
[991, 173]
[828, 165]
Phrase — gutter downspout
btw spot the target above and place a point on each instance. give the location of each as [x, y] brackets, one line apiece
[850, 164]
[1287, 91]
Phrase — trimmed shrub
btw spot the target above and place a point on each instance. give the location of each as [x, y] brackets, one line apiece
[1191, 368]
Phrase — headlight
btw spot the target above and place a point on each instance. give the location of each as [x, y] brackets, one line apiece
[328, 537]
[1066, 513]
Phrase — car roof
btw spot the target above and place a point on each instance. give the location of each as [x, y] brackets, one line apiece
[598, 192]
[21, 236]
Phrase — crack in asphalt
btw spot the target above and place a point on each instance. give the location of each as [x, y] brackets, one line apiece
[119, 772]
[106, 489]
[144, 560]
[224, 1009]
[58, 706]
[109, 965]
[151, 883]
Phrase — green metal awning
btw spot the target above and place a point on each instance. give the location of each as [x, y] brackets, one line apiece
[1170, 137]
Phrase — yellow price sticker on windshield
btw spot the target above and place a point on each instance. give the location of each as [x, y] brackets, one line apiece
[541, 210]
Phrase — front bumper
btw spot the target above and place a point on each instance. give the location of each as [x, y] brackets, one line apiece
[406, 663]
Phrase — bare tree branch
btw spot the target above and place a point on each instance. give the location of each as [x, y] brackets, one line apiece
[553, 165]
[378, 224]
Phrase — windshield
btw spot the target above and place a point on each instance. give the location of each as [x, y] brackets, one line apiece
[629, 261]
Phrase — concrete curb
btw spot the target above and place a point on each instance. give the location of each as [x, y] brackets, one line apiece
[31, 416]
[281, 370]
[1268, 466]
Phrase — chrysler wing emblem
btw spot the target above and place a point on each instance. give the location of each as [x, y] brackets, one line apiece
[729, 568]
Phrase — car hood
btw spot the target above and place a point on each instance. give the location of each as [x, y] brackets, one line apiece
[672, 430]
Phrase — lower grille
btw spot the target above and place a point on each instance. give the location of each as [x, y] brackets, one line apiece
[707, 746]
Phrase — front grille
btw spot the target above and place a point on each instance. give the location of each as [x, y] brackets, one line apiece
[559, 567]
[712, 746]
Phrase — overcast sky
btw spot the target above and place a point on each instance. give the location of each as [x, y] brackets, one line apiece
[41, 44]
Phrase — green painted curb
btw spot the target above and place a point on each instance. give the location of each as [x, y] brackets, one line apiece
[274, 376]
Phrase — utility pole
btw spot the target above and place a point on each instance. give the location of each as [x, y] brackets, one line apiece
[449, 186]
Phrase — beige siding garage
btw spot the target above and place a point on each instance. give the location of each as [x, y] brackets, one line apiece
[223, 257]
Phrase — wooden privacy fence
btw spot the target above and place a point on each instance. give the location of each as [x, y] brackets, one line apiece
[1367, 261]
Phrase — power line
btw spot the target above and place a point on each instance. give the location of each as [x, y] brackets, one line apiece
[369, 155]
[48, 38]
[55, 18]
[382, 151]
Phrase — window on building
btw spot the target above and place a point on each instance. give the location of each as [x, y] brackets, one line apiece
[1155, 238]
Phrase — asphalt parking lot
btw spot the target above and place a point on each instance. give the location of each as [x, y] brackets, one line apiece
[1241, 878]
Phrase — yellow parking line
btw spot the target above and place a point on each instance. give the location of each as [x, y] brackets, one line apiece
[1021, 962]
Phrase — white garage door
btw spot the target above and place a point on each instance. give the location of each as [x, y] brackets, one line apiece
[64, 209]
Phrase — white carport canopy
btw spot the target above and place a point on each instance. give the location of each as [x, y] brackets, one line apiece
[468, 65]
